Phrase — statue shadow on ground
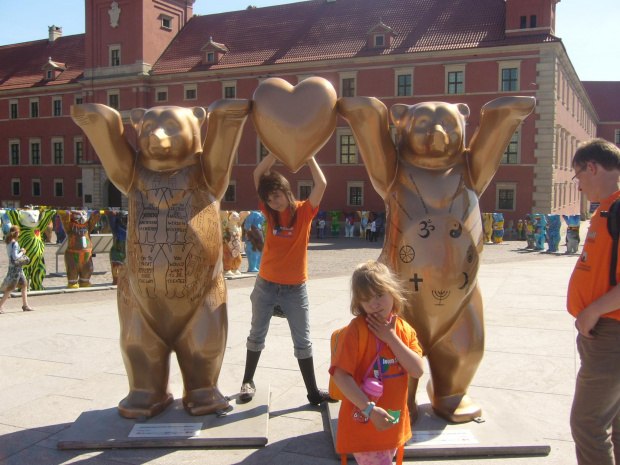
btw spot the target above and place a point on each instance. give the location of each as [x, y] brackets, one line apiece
[38, 445]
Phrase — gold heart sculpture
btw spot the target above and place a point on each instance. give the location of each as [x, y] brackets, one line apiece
[294, 122]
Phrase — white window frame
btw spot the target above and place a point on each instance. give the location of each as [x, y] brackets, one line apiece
[454, 69]
[304, 183]
[13, 142]
[226, 84]
[161, 90]
[112, 48]
[76, 97]
[617, 136]
[54, 100]
[35, 140]
[62, 183]
[518, 162]
[79, 185]
[351, 184]
[14, 182]
[76, 140]
[33, 181]
[345, 132]
[189, 87]
[348, 75]
[508, 65]
[231, 183]
[210, 57]
[506, 186]
[16, 103]
[402, 72]
[374, 41]
[165, 18]
[58, 140]
[31, 101]
[116, 92]
[258, 145]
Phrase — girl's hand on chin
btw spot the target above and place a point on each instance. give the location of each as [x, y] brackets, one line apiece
[382, 328]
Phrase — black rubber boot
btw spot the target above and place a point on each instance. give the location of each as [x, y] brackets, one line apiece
[315, 396]
[251, 362]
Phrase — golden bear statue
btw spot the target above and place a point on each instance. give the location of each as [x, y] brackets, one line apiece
[431, 184]
[171, 292]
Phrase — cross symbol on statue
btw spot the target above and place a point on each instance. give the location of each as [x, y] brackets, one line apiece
[416, 280]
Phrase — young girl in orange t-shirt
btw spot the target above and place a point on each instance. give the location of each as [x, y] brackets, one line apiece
[377, 298]
[281, 283]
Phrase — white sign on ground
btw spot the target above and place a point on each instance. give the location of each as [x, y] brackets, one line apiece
[166, 430]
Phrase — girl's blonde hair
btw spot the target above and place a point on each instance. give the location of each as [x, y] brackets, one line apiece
[13, 233]
[376, 278]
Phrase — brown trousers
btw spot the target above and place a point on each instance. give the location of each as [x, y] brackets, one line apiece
[595, 416]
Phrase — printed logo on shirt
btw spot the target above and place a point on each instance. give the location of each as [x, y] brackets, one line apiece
[390, 368]
[592, 235]
[284, 232]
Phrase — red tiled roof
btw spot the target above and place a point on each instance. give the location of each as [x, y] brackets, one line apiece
[605, 96]
[21, 64]
[317, 30]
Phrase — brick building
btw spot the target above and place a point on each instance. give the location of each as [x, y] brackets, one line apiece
[143, 53]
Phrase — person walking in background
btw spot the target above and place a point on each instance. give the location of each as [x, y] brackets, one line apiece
[594, 300]
[15, 275]
[281, 280]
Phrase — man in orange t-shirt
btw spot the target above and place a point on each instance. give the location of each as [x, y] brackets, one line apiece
[595, 415]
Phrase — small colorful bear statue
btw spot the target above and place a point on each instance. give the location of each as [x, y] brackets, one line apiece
[31, 223]
[79, 254]
[363, 222]
[540, 230]
[487, 224]
[520, 234]
[232, 245]
[321, 224]
[529, 232]
[553, 233]
[255, 240]
[572, 232]
[6, 223]
[349, 224]
[335, 217]
[498, 228]
[117, 222]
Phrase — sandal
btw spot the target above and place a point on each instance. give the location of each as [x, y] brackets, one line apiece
[1, 310]
[26, 308]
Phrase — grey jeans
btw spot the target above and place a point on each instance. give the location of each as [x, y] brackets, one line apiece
[293, 300]
[595, 416]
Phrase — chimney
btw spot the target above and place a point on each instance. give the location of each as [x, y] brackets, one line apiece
[55, 33]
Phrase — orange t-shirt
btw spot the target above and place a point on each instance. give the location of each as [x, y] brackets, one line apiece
[356, 437]
[590, 278]
[285, 256]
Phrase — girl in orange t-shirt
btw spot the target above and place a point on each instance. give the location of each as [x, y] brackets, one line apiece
[281, 283]
[378, 297]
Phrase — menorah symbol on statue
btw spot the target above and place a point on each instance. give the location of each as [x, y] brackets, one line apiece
[440, 295]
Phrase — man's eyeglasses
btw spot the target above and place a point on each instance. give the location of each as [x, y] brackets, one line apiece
[575, 178]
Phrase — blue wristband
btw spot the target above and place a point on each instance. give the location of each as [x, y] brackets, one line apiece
[367, 410]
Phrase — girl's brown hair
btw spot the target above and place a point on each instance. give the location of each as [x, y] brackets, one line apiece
[13, 233]
[376, 278]
[270, 182]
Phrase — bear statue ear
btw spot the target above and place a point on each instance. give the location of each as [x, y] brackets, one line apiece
[136, 116]
[200, 114]
[463, 110]
[397, 111]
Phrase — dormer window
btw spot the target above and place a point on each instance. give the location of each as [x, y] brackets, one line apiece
[52, 69]
[380, 36]
[213, 51]
[166, 22]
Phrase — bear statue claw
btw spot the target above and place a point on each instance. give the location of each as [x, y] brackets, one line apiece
[204, 401]
[139, 404]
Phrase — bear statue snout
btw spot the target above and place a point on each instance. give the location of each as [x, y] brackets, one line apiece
[438, 139]
[158, 138]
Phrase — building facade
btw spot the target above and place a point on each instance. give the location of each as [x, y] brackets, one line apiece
[144, 53]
